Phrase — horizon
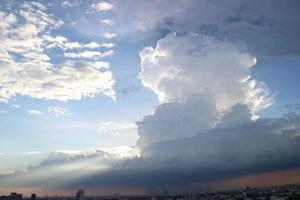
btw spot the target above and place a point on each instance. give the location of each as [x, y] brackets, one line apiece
[132, 96]
[158, 193]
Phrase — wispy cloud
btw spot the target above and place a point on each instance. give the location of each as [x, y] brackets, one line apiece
[102, 6]
[115, 128]
[89, 54]
[63, 43]
[15, 106]
[29, 153]
[59, 111]
[109, 35]
[107, 22]
[35, 112]
[68, 4]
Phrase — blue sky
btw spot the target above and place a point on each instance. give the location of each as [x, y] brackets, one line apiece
[122, 77]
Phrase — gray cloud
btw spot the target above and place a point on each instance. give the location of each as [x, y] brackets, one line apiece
[226, 151]
[268, 28]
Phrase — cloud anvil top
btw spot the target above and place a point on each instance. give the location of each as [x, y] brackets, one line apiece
[139, 95]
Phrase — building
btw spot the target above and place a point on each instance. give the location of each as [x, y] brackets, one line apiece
[80, 195]
[33, 197]
[15, 196]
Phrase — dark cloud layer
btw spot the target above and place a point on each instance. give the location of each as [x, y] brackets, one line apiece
[223, 152]
[268, 28]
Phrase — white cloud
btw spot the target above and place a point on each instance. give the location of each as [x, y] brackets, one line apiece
[108, 45]
[27, 69]
[72, 45]
[102, 6]
[63, 43]
[68, 4]
[92, 45]
[89, 54]
[59, 111]
[109, 35]
[35, 4]
[2, 154]
[122, 152]
[3, 111]
[116, 128]
[29, 153]
[180, 66]
[107, 22]
[34, 112]
[72, 153]
[74, 80]
[15, 106]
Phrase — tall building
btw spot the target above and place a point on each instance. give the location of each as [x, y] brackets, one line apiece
[15, 196]
[33, 197]
[80, 195]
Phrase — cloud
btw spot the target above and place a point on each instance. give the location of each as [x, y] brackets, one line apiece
[180, 66]
[223, 152]
[118, 152]
[205, 128]
[178, 120]
[107, 22]
[109, 35]
[15, 106]
[89, 54]
[29, 153]
[63, 43]
[3, 111]
[68, 4]
[26, 36]
[265, 31]
[56, 168]
[226, 151]
[5, 170]
[102, 6]
[59, 111]
[108, 45]
[35, 112]
[116, 128]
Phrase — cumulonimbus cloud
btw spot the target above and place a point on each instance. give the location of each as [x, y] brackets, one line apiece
[180, 66]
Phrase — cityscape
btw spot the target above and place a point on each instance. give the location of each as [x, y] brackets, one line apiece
[286, 192]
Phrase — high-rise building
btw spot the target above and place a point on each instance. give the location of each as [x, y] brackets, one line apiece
[80, 195]
[33, 197]
[15, 196]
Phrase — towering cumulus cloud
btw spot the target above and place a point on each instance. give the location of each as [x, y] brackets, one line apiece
[207, 117]
[181, 66]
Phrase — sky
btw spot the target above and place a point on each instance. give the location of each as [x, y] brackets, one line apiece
[136, 96]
